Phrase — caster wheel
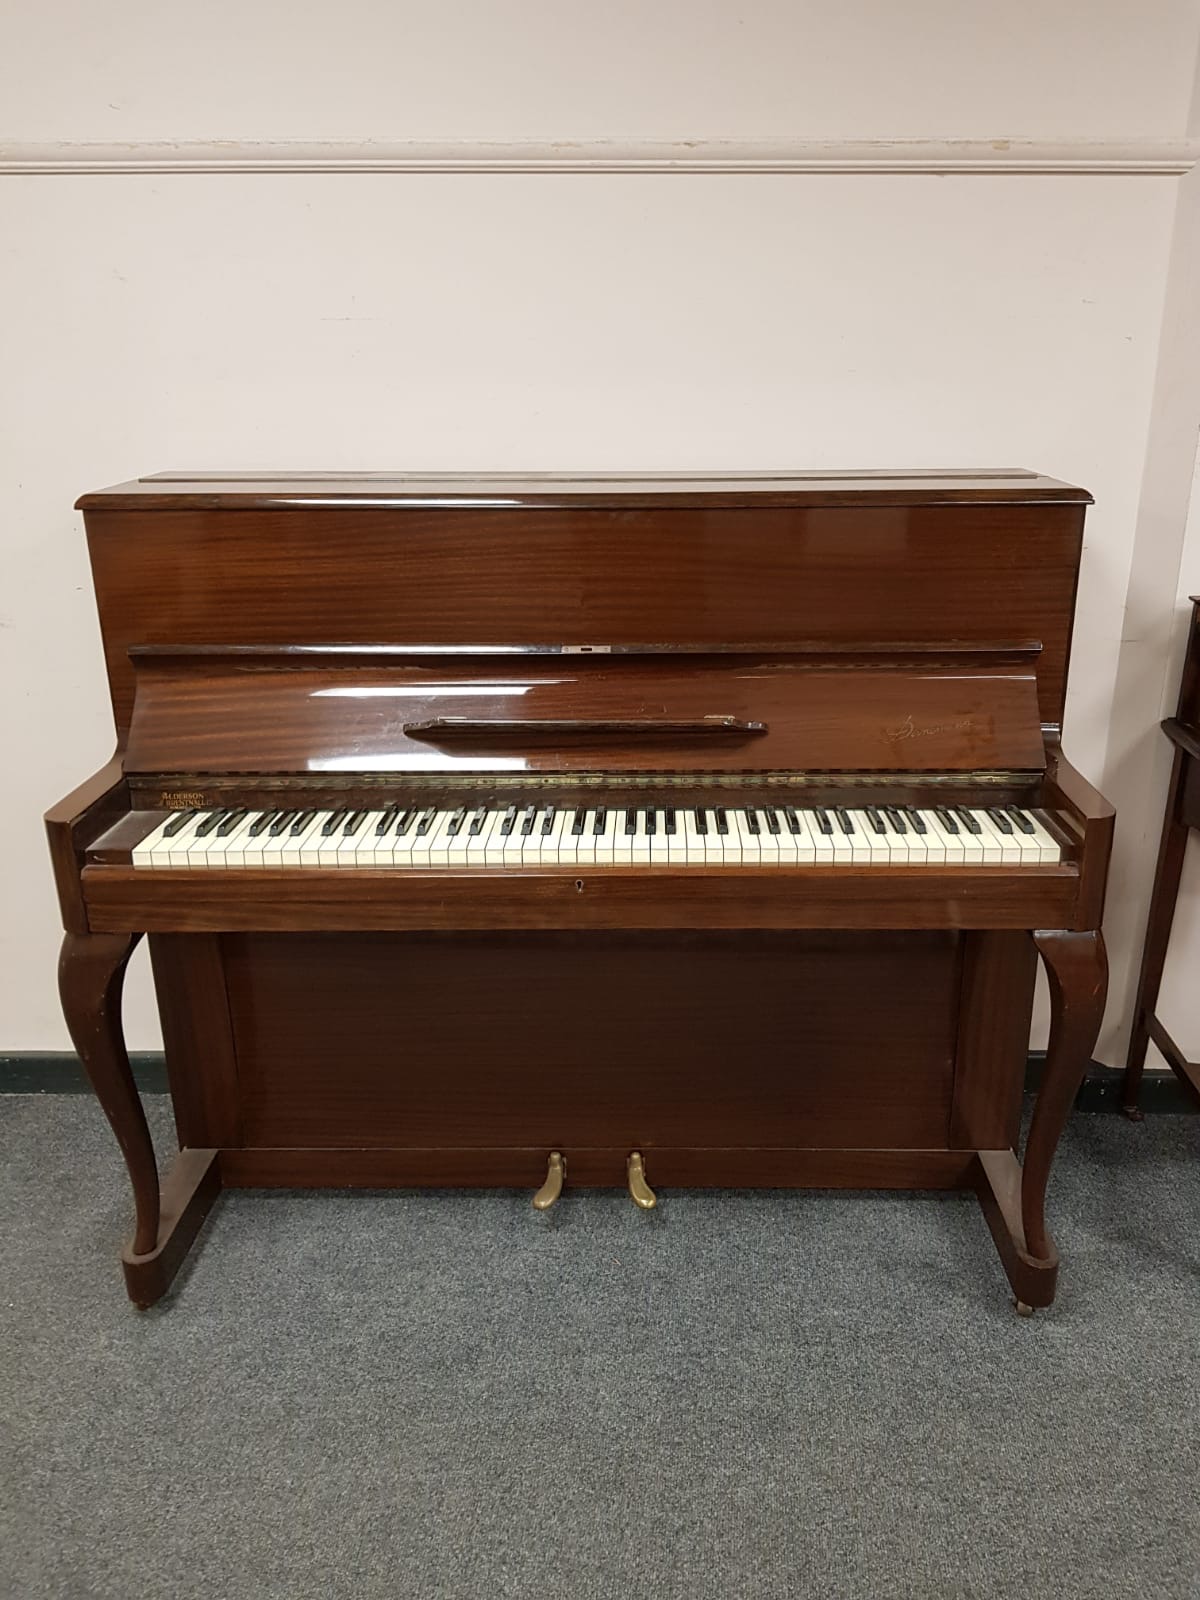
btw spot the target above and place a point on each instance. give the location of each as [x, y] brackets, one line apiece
[1022, 1309]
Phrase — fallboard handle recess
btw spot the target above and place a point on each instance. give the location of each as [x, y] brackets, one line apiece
[585, 727]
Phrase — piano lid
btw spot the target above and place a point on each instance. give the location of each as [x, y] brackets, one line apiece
[346, 710]
[177, 489]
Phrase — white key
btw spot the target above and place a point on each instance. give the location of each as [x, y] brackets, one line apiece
[957, 854]
[477, 843]
[897, 842]
[404, 844]
[273, 844]
[513, 843]
[605, 843]
[1010, 850]
[878, 844]
[825, 845]
[538, 847]
[677, 842]
[747, 841]
[294, 841]
[714, 845]
[568, 840]
[198, 848]
[309, 853]
[1051, 850]
[142, 853]
[693, 840]
[849, 849]
[982, 847]
[937, 850]
[659, 842]
[793, 847]
[585, 845]
[458, 844]
[440, 840]
[914, 842]
[546, 849]
[641, 840]
[770, 845]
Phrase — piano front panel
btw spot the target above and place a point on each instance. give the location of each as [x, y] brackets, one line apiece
[564, 1041]
[743, 577]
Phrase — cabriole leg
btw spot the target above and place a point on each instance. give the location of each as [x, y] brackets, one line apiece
[91, 976]
[1077, 967]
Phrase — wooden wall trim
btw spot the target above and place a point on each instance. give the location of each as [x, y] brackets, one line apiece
[999, 156]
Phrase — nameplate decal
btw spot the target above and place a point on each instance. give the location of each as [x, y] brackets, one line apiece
[909, 730]
[181, 799]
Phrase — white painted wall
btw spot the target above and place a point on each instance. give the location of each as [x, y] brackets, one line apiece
[494, 320]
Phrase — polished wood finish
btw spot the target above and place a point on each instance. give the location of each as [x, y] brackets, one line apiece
[566, 897]
[1181, 814]
[823, 639]
[638, 711]
[91, 976]
[1077, 970]
[189, 1189]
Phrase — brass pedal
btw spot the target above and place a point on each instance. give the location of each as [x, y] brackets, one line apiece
[640, 1191]
[552, 1188]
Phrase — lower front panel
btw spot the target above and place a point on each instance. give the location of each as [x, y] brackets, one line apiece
[676, 1042]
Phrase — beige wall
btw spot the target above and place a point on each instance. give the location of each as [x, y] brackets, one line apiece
[491, 319]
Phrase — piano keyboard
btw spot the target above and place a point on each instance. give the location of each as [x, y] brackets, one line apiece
[537, 835]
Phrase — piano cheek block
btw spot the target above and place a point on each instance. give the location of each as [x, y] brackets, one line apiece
[746, 885]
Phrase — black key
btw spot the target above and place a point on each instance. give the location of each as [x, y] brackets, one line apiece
[669, 819]
[405, 821]
[577, 822]
[425, 821]
[916, 823]
[896, 817]
[507, 821]
[213, 820]
[651, 823]
[752, 823]
[329, 827]
[353, 823]
[1000, 819]
[845, 820]
[456, 821]
[386, 820]
[477, 822]
[601, 822]
[527, 820]
[177, 824]
[232, 819]
[971, 824]
[792, 820]
[823, 820]
[548, 821]
[300, 822]
[876, 821]
[701, 821]
[630, 822]
[261, 824]
[281, 823]
[722, 817]
[1021, 820]
[772, 817]
[946, 820]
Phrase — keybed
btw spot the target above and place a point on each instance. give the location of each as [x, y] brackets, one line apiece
[523, 832]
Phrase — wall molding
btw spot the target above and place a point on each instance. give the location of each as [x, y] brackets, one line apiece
[978, 157]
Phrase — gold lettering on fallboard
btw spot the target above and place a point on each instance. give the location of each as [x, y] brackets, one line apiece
[181, 799]
[909, 730]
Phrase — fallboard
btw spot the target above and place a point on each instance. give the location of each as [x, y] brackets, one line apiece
[331, 709]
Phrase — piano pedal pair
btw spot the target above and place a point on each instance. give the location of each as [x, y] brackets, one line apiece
[640, 1191]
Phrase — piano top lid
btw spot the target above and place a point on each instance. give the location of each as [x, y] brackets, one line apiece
[242, 490]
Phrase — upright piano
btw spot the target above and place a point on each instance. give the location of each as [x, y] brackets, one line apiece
[645, 832]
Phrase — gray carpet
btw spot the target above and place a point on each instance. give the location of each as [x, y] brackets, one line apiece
[739, 1395]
